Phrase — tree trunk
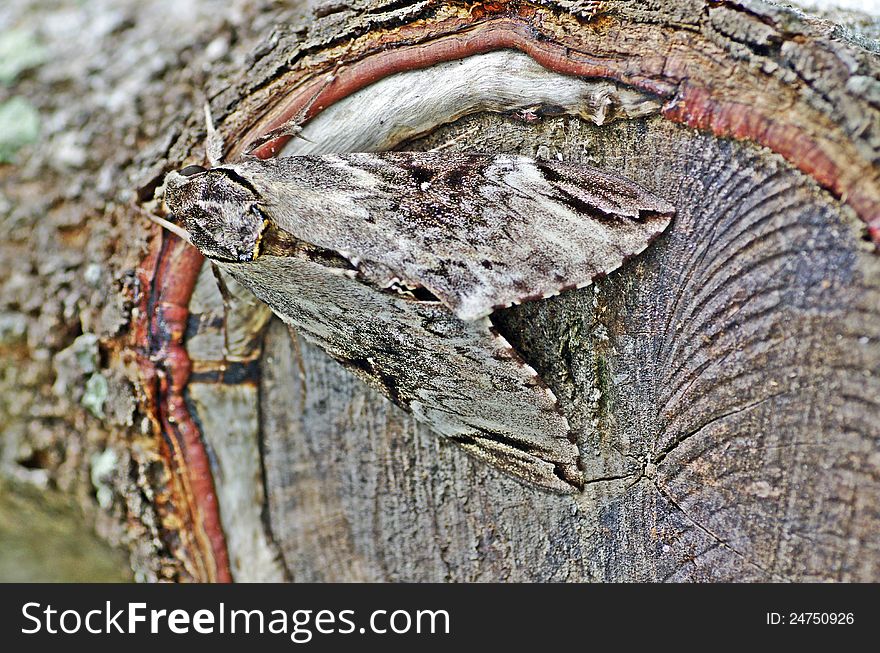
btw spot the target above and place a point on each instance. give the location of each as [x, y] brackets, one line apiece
[722, 385]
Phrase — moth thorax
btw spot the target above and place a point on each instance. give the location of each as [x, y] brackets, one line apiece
[220, 211]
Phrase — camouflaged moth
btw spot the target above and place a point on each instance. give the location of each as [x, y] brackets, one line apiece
[394, 262]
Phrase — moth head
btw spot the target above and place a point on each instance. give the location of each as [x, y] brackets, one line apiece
[218, 210]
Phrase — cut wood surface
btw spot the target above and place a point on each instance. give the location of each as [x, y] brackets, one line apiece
[723, 385]
[709, 381]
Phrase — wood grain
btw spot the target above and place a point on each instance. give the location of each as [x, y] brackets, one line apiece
[723, 385]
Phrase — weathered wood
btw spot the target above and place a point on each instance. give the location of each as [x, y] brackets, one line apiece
[724, 385]
[709, 380]
[694, 375]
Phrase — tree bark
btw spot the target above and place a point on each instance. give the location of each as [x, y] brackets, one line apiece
[723, 385]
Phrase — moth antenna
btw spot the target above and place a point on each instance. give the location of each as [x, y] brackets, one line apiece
[213, 141]
[177, 230]
[298, 134]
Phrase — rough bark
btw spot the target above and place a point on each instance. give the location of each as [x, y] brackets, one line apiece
[723, 385]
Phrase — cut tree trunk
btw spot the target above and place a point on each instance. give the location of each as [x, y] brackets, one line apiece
[723, 385]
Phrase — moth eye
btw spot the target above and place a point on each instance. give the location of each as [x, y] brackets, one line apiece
[189, 171]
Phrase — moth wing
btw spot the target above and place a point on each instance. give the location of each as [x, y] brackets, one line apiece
[460, 378]
[479, 232]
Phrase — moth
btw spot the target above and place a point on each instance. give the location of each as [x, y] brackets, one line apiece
[394, 262]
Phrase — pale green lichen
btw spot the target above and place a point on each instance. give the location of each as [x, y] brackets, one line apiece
[74, 363]
[85, 348]
[19, 126]
[19, 51]
[102, 468]
[13, 328]
[95, 395]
